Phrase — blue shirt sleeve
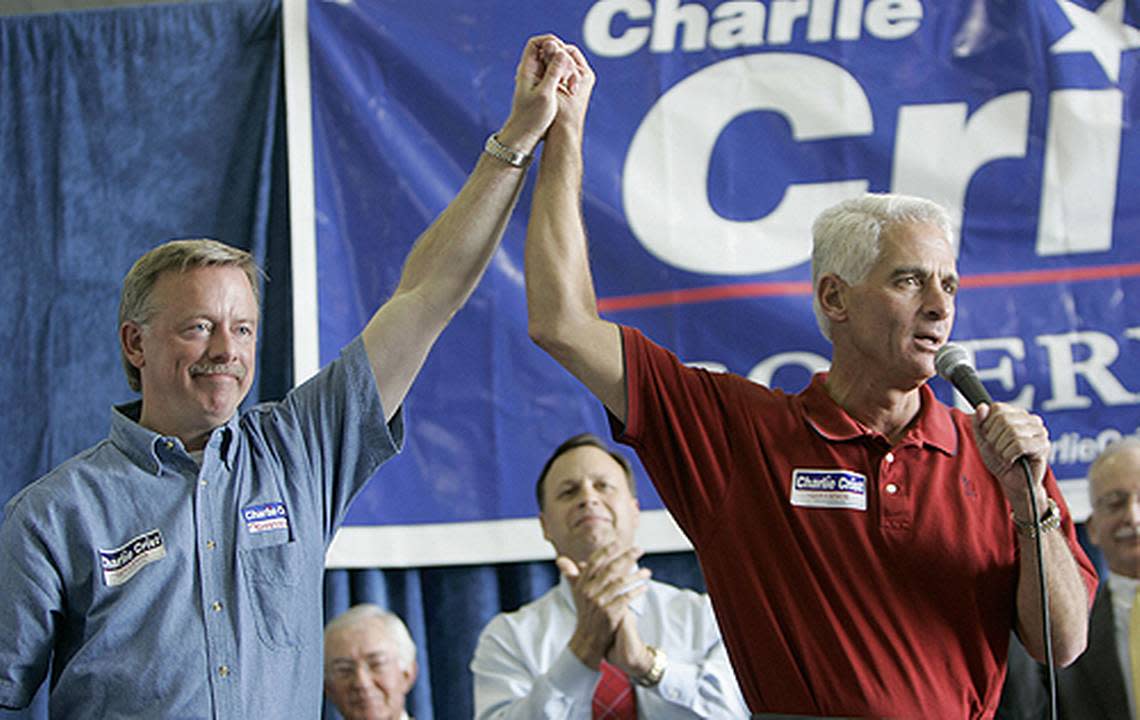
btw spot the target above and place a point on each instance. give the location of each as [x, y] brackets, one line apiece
[332, 430]
[33, 589]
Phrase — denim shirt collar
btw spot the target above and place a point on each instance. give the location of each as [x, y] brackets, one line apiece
[152, 452]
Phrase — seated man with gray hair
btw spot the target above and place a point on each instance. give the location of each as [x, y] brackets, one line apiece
[370, 663]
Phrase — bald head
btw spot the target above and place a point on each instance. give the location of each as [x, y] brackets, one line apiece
[1114, 490]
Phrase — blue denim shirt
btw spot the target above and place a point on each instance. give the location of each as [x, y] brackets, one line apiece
[159, 589]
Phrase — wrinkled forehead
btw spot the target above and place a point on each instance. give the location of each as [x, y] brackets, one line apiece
[358, 641]
[207, 284]
[919, 245]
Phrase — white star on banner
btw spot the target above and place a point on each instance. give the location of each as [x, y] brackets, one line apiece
[1102, 33]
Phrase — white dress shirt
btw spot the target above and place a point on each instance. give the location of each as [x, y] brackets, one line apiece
[523, 668]
[1123, 590]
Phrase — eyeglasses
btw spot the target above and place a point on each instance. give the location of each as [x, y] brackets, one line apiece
[1116, 501]
[345, 670]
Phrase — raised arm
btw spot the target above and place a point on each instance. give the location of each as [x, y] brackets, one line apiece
[449, 258]
[562, 309]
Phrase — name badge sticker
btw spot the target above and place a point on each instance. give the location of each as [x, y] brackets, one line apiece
[265, 517]
[121, 564]
[832, 489]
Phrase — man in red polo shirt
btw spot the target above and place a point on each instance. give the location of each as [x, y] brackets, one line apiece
[863, 544]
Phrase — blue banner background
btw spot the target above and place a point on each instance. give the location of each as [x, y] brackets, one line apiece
[403, 99]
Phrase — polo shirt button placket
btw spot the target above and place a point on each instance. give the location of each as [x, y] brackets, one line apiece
[889, 488]
[895, 513]
[216, 627]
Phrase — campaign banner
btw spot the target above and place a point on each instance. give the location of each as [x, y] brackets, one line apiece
[716, 134]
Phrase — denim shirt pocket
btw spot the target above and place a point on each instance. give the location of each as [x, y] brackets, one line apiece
[272, 574]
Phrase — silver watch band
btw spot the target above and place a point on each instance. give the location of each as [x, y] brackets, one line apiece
[509, 155]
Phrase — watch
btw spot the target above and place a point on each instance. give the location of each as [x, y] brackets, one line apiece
[657, 671]
[1051, 520]
[509, 155]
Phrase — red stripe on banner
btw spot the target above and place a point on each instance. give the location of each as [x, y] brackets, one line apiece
[705, 294]
[1043, 277]
[688, 296]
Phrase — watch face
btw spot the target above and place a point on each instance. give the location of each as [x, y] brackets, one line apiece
[660, 662]
[1051, 520]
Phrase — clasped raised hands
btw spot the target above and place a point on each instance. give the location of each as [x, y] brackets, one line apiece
[553, 83]
[603, 587]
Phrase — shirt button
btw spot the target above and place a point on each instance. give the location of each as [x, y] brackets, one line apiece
[216, 606]
[210, 544]
[204, 482]
[224, 670]
[890, 457]
[891, 488]
[169, 444]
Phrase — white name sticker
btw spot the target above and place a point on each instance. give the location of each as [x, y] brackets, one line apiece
[836, 489]
[121, 564]
[265, 517]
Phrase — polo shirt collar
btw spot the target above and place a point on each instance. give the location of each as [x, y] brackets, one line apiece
[934, 427]
[151, 451]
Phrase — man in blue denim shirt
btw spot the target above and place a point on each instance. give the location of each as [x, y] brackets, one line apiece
[174, 569]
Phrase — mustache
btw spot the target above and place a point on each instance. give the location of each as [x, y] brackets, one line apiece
[1128, 532]
[235, 370]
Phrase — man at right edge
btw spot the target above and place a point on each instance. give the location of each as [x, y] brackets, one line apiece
[864, 545]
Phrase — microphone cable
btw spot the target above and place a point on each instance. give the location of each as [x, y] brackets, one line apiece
[952, 363]
[1042, 580]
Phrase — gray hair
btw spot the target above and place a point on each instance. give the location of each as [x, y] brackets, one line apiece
[1110, 451]
[174, 256]
[846, 238]
[394, 628]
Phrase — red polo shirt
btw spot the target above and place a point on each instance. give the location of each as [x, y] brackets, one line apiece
[849, 577]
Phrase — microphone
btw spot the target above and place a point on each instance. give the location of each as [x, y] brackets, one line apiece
[953, 363]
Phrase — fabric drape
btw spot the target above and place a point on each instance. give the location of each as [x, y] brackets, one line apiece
[121, 129]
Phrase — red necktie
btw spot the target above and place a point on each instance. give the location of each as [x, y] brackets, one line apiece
[614, 698]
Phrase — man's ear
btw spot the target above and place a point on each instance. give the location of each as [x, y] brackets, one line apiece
[410, 676]
[831, 292]
[130, 338]
[542, 522]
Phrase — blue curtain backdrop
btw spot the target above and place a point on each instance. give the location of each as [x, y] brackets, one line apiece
[123, 128]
